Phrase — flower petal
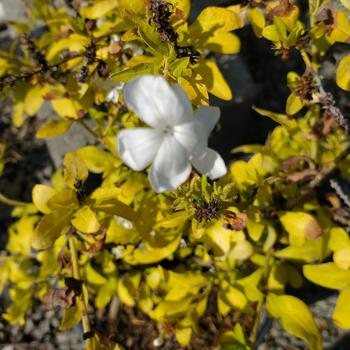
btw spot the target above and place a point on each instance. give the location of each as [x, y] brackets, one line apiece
[208, 117]
[171, 166]
[211, 164]
[156, 102]
[138, 147]
[192, 136]
[186, 104]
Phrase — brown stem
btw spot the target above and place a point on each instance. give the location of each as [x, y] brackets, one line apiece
[83, 299]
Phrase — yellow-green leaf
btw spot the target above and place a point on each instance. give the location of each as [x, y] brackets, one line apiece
[41, 194]
[34, 99]
[150, 254]
[300, 226]
[223, 42]
[50, 227]
[310, 251]
[75, 43]
[327, 275]
[124, 293]
[257, 20]
[294, 104]
[99, 9]
[296, 318]
[75, 169]
[71, 317]
[214, 80]
[342, 258]
[96, 159]
[338, 239]
[342, 309]
[282, 119]
[67, 108]
[106, 292]
[93, 276]
[104, 199]
[53, 128]
[343, 73]
[346, 3]
[85, 220]
[183, 5]
[183, 335]
[215, 19]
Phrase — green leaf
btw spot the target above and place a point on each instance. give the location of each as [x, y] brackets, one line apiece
[327, 275]
[342, 309]
[295, 317]
[53, 128]
[50, 227]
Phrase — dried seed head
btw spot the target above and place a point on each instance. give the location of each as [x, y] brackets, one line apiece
[207, 211]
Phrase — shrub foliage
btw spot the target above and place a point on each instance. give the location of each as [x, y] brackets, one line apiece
[243, 242]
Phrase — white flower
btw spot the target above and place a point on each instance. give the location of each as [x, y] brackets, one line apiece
[176, 137]
[113, 95]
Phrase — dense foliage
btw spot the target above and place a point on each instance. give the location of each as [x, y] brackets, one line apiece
[277, 218]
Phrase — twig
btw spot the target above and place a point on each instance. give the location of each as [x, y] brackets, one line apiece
[82, 300]
[90, 130]
[336, 187]
[12, 202]
[328, 172]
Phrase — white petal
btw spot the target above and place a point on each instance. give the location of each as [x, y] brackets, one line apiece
[208, 117]
[192, 136]
[171, 166]
[211, 164]
[185, 102]
[138, 147]
[113, 96]
[155, 102]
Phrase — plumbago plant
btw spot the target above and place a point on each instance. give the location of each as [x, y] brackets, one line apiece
[157, 235]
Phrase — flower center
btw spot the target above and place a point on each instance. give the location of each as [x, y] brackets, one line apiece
[168, 130]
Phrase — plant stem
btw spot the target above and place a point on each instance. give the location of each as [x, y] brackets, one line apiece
[314, 5]
[12, 202]
[83, 299]
[305, 58]
[90, 130]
